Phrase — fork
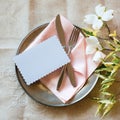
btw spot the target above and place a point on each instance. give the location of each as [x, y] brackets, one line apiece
[73, 39]
[71, 44]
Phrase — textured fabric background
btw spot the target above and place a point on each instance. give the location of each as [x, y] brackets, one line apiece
[17, 18]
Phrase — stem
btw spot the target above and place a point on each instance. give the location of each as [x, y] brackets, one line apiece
[107, 49]
[109, 38]
[102, 38]
[109, 55]
[82, 31]
[107, 27]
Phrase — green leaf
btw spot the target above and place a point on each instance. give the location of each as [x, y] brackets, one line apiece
[88, 33]
[108, 64]
[101, 76]
[106, 93]
[104, 87]
[96, 98]
[116, 41]
[118, 49]
[106, 101]
[114, 71]
[109, 106]
[107, 80]
[103, 69]
[110, 44]
[100, 108]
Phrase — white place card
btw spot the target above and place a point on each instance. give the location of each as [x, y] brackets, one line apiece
[41, 60]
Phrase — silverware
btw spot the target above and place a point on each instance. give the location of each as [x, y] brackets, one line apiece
[72, 42]
[73, 39]
[60, 31]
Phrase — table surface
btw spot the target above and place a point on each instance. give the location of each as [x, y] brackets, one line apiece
[19, 17]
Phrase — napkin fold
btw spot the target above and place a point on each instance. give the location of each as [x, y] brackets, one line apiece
[82, 63]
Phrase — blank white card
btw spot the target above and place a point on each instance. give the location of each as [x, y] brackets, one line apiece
[41, 60]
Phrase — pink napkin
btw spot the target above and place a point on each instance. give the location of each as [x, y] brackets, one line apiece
[83, 64]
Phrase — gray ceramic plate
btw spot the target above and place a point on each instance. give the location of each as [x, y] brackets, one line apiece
[41, 94]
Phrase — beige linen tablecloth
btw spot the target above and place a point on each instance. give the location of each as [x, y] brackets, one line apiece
[17, 18]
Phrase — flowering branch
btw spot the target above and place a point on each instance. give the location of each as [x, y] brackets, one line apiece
[111, 64]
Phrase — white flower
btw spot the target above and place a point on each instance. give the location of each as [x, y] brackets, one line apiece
[96, 20]
[98, 56]
[92, 45]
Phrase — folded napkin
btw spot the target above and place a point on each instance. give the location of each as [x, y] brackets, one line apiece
[82, 63]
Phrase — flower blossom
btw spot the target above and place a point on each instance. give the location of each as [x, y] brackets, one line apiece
[93, 46]
[96, 20]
